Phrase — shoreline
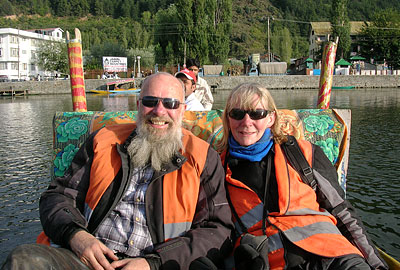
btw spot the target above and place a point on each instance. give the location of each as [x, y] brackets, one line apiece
[286, 82]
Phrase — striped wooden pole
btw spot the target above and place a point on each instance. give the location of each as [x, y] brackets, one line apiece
[76, 72]
[326, 77]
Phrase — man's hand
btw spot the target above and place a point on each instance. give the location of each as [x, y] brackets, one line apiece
[91, 251]
[131, 264]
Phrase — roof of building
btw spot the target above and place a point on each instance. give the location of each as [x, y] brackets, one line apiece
[324, 28]
[357, 57]
[45, 29]
[342, 62]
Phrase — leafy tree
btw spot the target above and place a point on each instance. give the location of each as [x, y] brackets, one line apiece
[62, 8]
[6, 8]
[185, 28]
[381, 39]
[95, 59]
[281, 44]
[341, 26]
[165, 31]
[220, 30]
[198, 37]
[169, 54]
[147, 57]
[98, 8]
[53, 56]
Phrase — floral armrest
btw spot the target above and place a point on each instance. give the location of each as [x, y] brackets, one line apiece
[325, 128]
[71, 129]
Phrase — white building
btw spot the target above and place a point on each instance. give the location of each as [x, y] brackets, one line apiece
[17, 52]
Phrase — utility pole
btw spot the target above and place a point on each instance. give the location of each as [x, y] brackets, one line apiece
[269, 41]
[184, 54]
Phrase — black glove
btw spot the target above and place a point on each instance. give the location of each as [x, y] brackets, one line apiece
[252, 253]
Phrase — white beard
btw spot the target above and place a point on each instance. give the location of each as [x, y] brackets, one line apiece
[153, 147]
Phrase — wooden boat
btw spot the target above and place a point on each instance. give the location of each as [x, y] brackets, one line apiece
[343, 87]
[117, 92]
[392, 262]
[124, 86]
[208, 126]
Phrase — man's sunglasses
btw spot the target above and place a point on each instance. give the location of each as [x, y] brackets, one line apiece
[238, 114]
[169, 103]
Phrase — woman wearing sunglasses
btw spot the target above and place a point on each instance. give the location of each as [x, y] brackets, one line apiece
[281, 221]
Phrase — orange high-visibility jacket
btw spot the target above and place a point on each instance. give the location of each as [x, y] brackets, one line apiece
[300, 217]
[180, 187]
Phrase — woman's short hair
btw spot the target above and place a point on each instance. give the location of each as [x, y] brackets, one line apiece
[242, 96]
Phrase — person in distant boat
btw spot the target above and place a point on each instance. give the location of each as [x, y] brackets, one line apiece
[188, 79]
[149, 195]
[288, 207]
[203, 90]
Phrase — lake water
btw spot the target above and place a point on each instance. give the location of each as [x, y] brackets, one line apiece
[373, 176]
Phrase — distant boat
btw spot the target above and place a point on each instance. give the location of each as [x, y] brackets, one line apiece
[343, 87]
[116, 92]
[125, 86]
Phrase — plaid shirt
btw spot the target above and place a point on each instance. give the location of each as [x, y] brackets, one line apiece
[125, 229]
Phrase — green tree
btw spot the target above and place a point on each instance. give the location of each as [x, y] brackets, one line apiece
[166, 30]
[95, 58]
[62, 8]
[98, 8]
[281, 43]
[381, 39]
[341, 27]
[6, 8]
[52, 56]
[185, 28]
[169, 54]
[221, 28]
[147, 57]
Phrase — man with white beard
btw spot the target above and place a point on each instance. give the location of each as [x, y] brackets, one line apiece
[145, 197]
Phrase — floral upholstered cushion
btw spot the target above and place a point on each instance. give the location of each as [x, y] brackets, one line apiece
[327, 128]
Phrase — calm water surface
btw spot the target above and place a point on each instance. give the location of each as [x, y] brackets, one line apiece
[373, 177]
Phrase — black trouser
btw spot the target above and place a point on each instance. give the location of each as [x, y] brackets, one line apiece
[299, 259]
[36, 256]
[347, 262]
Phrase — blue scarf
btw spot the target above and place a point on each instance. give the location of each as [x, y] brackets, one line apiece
[254, 152]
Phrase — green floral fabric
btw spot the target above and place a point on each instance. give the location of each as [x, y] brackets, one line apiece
[321, 127]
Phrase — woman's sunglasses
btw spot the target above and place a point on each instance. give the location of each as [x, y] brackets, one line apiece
[169, 103]
[238, 114]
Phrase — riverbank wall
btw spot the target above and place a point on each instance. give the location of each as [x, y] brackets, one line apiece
[221, 82]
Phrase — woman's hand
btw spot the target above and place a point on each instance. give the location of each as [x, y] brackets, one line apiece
[91, 251]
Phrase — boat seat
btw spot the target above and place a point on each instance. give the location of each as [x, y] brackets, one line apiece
[328, 128]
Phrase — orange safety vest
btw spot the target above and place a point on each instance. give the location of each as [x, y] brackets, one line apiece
[300, 217]
[180, 187]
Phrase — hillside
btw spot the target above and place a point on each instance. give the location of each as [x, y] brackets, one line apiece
[131, 22]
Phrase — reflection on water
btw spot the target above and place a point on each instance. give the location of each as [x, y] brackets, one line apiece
[373, 175]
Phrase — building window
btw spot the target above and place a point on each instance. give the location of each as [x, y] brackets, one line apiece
[14, 52]
[25, 66]
[1, 52]
[33, 67]
[14, 66]
[23, 51]
[14, 39]
[3, 66]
